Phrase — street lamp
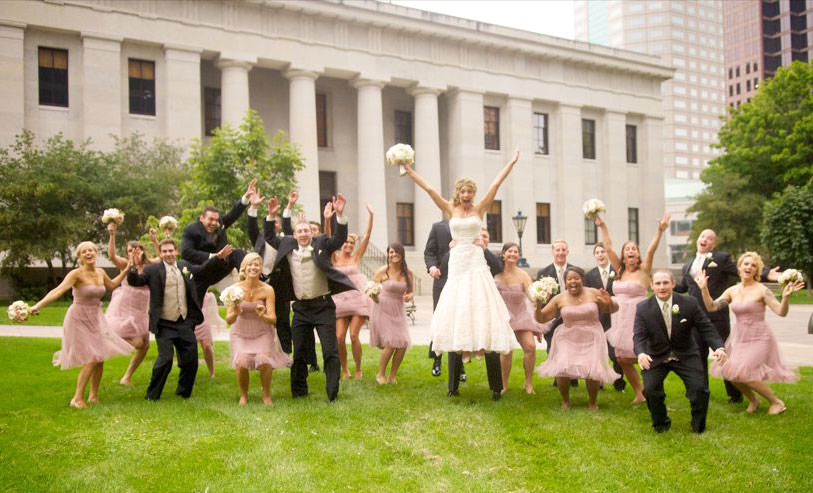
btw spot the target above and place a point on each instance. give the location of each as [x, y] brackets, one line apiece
[519, 225]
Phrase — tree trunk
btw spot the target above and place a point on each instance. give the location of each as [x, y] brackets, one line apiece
[51, 274]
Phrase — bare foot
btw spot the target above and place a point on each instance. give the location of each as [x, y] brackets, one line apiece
[504, 390]
[529, 389]
[125, 381]
[345, 375]
[381, 379]
[566, 406]
[592, 408]
[777, 408]
[243, 401]
[466, 357]
[392, 380]
[752, 406]
[93, 399]
[357, 375]
[638, 401]
[78, 404]
[267, 400]
[480, 354]
[211, 376]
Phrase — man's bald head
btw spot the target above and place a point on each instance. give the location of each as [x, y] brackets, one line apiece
[706, 241]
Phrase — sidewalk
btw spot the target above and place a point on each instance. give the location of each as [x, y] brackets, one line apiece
[795, 343]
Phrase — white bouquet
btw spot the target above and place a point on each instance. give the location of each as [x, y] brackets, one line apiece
[372, 289]
[790, 276]
[112, 215]
[168, 224]
[400, 155]
[593, 208]
[542, 291]
[232, 295]
[19, 311]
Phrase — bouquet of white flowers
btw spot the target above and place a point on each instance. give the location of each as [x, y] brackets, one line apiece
[372, 289]
[593, 208]
[112, 215]
[542, 291]
[168, 224]
[232, 295]
[790, 276]
[19, 311]
[400, 155]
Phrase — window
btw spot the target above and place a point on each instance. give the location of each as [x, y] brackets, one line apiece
[730, 73]
[543, 223]
[405, 219]
[142, 87]
[737, 71]
[53, 77]
[748, 85]
[403, 128]
[211, 109]
[321, 120]
[680, 227]
[494, 221]
[491, 123]
[589, 139]
[590, 232]
[679, 254]
[632, 144]
[730, 90]
[632, 224]
[747, 68]
[738, 88]
[327, 190]
[541, 133]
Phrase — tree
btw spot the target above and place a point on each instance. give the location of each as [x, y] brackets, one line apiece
[768, 146]
[787, 229]
[221, 169]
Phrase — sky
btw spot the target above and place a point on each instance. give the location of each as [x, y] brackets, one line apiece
[552, 17]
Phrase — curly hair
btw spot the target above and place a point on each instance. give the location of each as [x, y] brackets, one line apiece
[458, 185]
[247, 260]
[757, 260]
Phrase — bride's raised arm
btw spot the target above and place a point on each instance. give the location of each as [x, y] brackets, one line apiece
[492, 190]
[443, 204]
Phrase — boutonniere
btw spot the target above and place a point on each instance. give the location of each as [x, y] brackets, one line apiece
[185, 271]
[683, 320]
[612, 274]
[675, 309]
[310, 249]
[709, 257]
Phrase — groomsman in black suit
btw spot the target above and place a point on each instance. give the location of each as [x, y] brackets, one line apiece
[437, 246]
[493, 364]
[601, 277]
[205, 237]
[303, 262]
[557, 270]
[722, 273]
[663, 342]
[176, 291]
[282, 292]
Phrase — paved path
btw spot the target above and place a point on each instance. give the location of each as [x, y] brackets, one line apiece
[795, 343]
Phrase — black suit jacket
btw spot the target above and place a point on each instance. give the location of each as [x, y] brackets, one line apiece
[593, 280]
[196, 282]
[197, 244]
[437, 246]
[650, 334]
[323, 247]
[282, 291]
[720, 278]
[550, 271]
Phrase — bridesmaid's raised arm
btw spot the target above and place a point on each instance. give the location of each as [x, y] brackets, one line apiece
[646, 266]
[608, 243]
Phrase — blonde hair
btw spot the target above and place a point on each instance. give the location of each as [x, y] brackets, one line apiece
[82, 246]
[458, 185]
[247, 260]
[757, 260]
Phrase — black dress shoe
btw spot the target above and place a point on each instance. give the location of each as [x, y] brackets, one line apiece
[453, 393]
[314, 369]
[463, 376]
[735, 400]
[436, 368]
[661, 429]
[495, 396]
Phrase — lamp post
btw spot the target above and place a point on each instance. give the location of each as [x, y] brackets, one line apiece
[519, 225]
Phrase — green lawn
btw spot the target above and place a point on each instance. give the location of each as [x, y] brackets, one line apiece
[408, 437]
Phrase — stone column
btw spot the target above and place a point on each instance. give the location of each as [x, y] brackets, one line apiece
[371, 175]
[302, 131]
[234, 100]
[466, 139]
[613, 177]
[427, 159]
[518, 189]
[12, 81]
[183, 94]
[569, 219]
[101, 89]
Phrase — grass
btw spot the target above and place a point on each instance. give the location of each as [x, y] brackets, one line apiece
[407, 437]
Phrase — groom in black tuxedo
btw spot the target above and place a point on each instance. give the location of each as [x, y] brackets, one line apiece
[176, 291]
[303, 263]
[437, 247]
[663, 342]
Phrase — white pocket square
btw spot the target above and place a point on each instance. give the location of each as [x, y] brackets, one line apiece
[683, 320]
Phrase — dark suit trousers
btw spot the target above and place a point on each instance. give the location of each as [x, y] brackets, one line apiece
[493, 370]
[180, 336]
[703, 350]
[319, 314]
[283, 309]
[691, 372]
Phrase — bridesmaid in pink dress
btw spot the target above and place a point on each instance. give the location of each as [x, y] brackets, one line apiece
[629, 288]
[87, 340]
[578, 348]
[128, 311]
[254, 345]
[753, 353]
[352, 307]
[513, 283]
[389, 330]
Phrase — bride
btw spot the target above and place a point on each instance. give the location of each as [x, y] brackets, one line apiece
[471, 315]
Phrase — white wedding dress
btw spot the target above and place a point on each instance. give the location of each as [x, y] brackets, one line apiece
[470, 315]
